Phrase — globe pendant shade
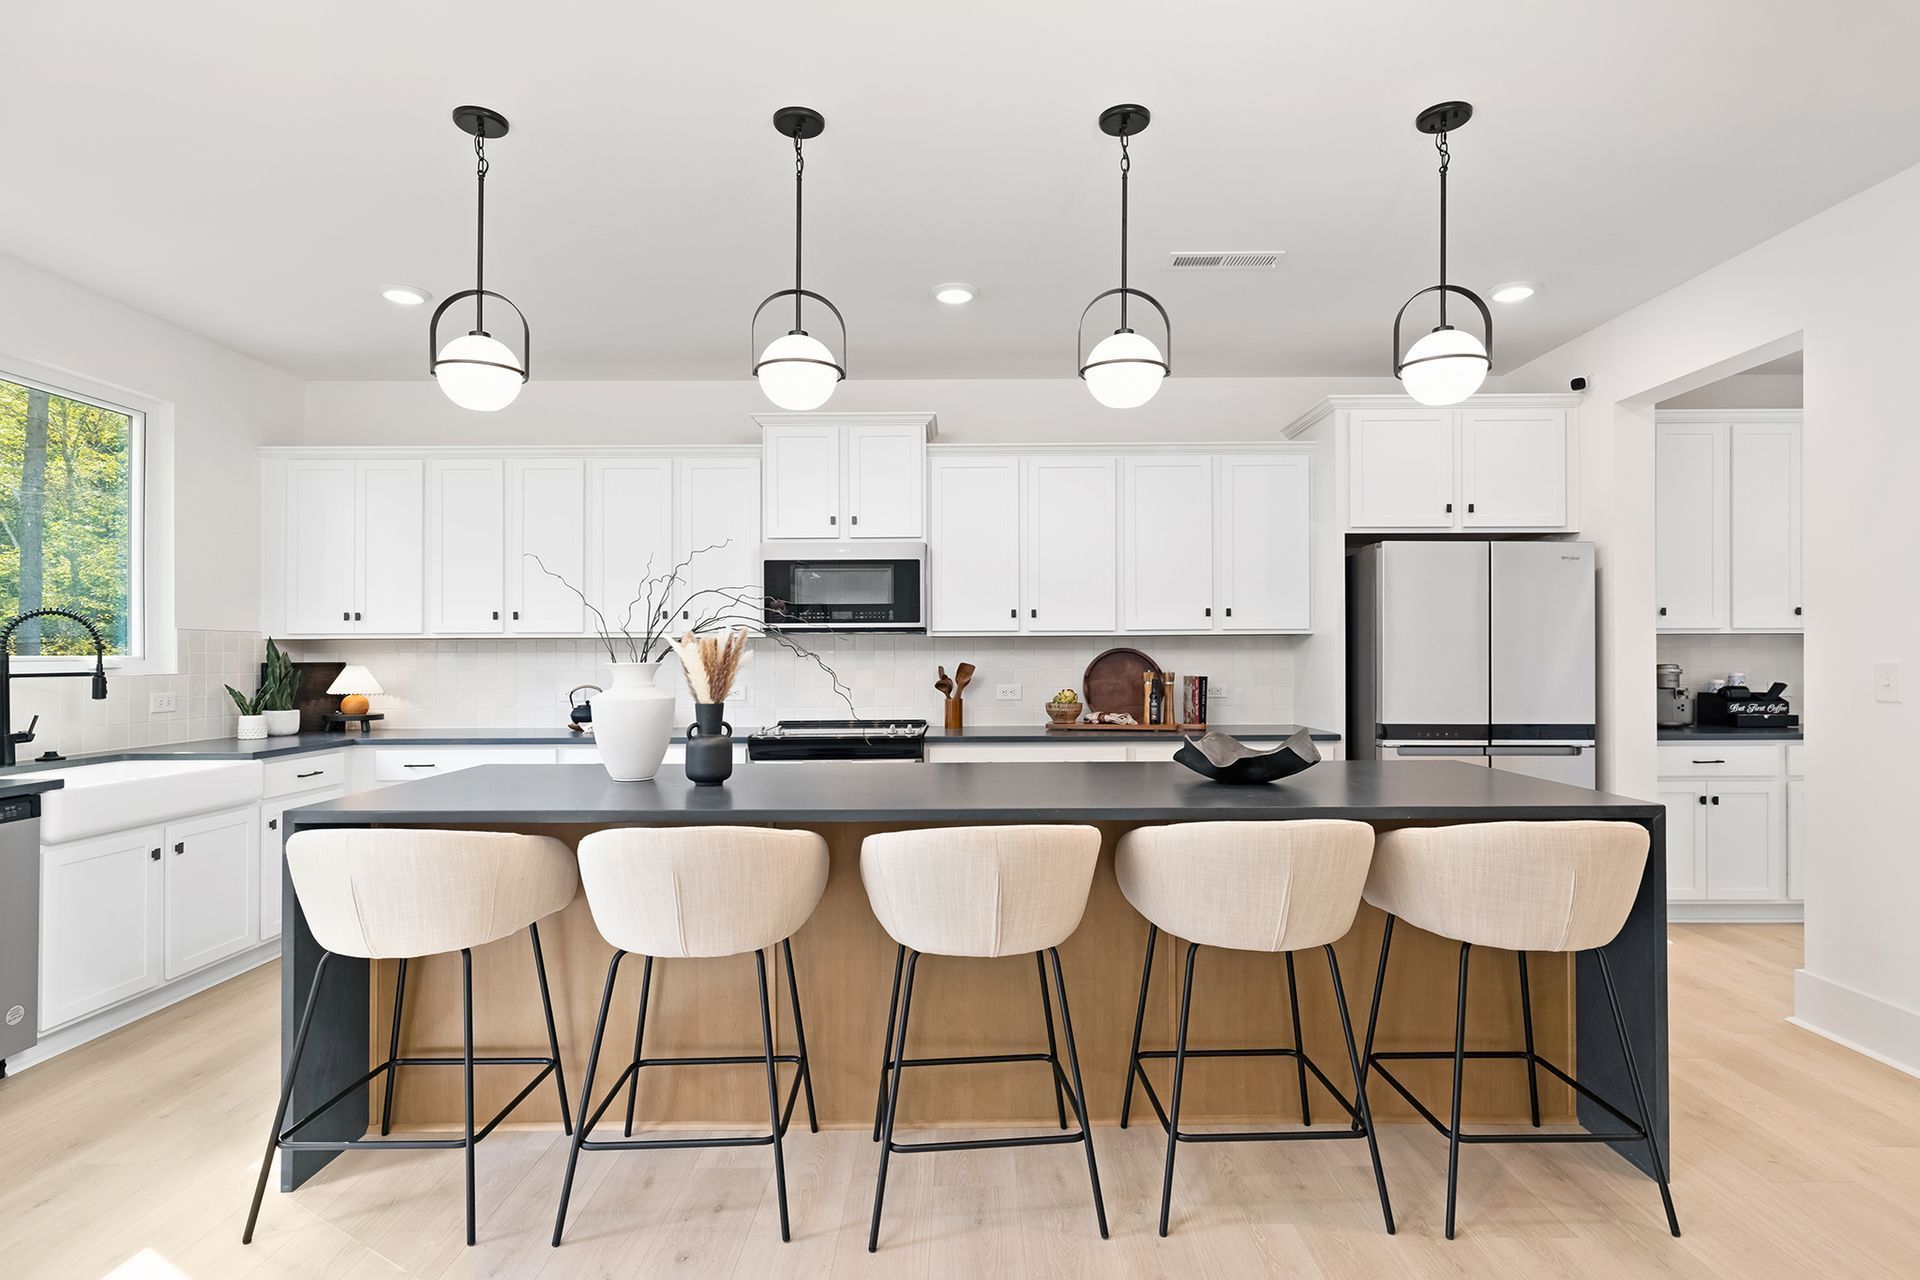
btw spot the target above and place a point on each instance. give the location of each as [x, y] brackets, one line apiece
[479, 386]
[798, 372]
[1131, 383]
[1452, 365]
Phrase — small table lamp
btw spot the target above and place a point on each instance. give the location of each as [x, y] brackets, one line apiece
[354, 683]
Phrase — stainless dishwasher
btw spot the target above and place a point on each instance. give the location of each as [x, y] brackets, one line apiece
[19, 925]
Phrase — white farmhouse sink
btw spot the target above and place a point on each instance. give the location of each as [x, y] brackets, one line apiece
[122, 794]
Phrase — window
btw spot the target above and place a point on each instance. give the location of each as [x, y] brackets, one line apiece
[69, 518]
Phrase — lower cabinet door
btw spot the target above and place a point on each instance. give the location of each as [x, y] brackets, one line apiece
[212, 889]
[1687, 807]
[1797, 840]
[1746, 841]
[100, 923]
[272, 843]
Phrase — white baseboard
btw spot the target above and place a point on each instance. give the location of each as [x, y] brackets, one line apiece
[75, 1034]
[1691, 912]
[1885, 1032]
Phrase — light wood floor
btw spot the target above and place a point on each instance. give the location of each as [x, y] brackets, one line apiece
[134, 1157]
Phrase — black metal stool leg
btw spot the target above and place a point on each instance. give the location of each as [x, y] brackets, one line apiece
[1179, 1077]
[393, 1047]
[773, 1094]
[1139, 1017]
[466, 1023]
[639, 1037]
[1373, 1011]
[893, 1104]
[1639, 1094]
[1299, 1045]
[286, 1095]
[1459, 1065]
[1053, 1048]
[800, 1034]
[1359, 1091]
[1079, 1092]
[1526, 1022]
[553, 1035]
[886, 1051]
[586, 1096]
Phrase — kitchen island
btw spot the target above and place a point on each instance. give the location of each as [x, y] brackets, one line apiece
[844, 960]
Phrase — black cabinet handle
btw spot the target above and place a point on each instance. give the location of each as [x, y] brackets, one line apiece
[1796, 611]
[356, 615]
[1703, 799]
[346, 616]
[856, 519]
[1716, 799]
[1663, 611]
[1470, 508]
[516, 615]
[1229, 611]
[155, 855]
[685, 615]
[179, 848]
[1013, 613]
[496, 615]
[273, 824]
[834, 520]
[1449, 508]
[428, 765]
[1033, 613]
[1709, 761]
[311, 774]
[1209, 612]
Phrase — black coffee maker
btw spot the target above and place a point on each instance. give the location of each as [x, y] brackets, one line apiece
[1737, 707]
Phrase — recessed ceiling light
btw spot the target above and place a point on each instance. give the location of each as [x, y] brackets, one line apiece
[955, 294]
[406, 295]
[1516, 290]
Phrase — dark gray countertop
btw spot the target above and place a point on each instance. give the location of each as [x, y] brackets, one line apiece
[843, 791]
[1040, 733]
[11, 786]
[1727, 733]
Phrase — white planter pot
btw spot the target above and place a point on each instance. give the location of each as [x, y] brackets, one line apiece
[281, 724]
[632, 722]
[252, 728]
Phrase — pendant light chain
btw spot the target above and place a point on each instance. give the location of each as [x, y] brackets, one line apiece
[1126, 167]
[1446, 158]
[480, 235]
[799, 177]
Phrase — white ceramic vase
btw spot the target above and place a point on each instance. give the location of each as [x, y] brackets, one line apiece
[281, 724]
[632, 722]
[252, 728]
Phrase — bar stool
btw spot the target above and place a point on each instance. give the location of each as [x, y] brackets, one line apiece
[393, 894]
[1248, 886]
[1520, 886]
[980, 892]
[679, 893]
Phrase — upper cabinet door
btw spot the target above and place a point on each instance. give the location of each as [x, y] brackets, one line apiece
[803, 482]
[546, 536]
[466, 545]
[1765, 503]
[1070, 526]
[1166, 567]
[389, 546]
[1690, 526]
[974, 544]
[629, 537]
[320, 546]
[1400, 465]
[1262, 522]
[716, 513]
[1513, 468]
[886, 481]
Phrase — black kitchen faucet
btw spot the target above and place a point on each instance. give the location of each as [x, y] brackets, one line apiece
[8, 738]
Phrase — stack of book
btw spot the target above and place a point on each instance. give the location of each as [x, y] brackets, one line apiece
[1196, 700]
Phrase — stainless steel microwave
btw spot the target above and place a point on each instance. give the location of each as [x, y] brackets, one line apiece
[845, 586]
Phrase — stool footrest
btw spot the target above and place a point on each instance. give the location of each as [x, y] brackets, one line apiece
[1353, 1129]
[284, 1139]
[990, 1144]
[1632, 1133]
[673, 1144]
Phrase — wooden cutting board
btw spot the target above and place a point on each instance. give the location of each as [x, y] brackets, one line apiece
[1113, 681]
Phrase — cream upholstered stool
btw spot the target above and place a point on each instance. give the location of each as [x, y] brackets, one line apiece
[1248, 886]
[390, 894]
[980, 892]
[679, 893]
[1521, 886]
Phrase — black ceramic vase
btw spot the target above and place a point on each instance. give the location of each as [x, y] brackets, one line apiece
[709, 745]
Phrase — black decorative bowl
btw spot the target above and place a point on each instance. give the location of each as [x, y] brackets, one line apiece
[1227, 759]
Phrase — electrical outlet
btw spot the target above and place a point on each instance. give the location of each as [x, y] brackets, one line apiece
[1215, 693]
[161, 704]
[1889, 685]
[1006, 693]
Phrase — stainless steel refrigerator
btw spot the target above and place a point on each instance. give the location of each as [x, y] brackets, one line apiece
[1474, 651]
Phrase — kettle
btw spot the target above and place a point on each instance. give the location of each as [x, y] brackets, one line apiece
[580, 713]
[1672, 709]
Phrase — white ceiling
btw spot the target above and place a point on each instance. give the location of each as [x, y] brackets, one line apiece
[256, 172]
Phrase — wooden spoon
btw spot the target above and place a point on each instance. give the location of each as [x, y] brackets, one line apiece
[944, 684]
[962, 674]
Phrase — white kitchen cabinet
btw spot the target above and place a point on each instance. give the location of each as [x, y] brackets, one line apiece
[100, 923]
[974, 544]
[845, 476]
[320, 538]
[716, 514]
[629, 532]
[1069, 574]
[1166, 561]
[546, 535]
[212, 893]
[1764, 541]
[803, 498]
[1513, 468]
[353, 555]
[1727, 521]
[1690, 526]
[1687, 806]
[272, 849]
[1746, 824]
[466, 545]
[886, 480]
[1796, 839]
[1262, 527]
[1733, 842]
[389, 548]
[1400, 468]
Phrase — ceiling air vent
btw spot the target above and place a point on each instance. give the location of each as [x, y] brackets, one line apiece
[1226, 260]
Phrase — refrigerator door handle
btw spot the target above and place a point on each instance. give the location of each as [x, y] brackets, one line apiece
[1536, 751]
[1442, 751]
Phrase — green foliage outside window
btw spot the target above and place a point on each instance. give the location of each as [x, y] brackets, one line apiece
[66, 509]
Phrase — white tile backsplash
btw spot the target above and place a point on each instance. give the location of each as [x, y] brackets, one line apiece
[1761, 658]
[71, 722]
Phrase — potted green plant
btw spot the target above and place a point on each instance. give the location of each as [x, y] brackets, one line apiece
[277, 687]
[253, 721]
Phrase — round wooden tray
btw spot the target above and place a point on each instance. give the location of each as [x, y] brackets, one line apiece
[1113, 681]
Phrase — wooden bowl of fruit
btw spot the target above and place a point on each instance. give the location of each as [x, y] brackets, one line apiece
[1064, 707]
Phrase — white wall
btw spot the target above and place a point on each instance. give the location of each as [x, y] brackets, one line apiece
[1743, 391]
[1842, 285]
[207, 409]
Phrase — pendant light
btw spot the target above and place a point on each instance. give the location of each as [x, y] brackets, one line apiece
[1124, 370]
[477, 370]
[796, 370]
[1449, 364]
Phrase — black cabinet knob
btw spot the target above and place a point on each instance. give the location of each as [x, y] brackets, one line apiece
[834, 520]
[1703, 799]
[1663, 611]
[154, 855]
[1716, 799]
[1470, 508]
[1449, 508]
[1013, 613]
[516, 615]
[856, 519]
[346, 615]
[496, 615]
[273, 824]
[1033, 613]
[179, 848]
[1229, 611]
[356, 615]
[1209, 613]
[1796, 611]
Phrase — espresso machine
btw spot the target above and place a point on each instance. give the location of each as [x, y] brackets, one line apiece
[1673, 708]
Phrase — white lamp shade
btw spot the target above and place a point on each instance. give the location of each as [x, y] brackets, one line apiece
[795, 383]
[1130, 384]
[480, 386]
[1457, 372]
[354, 679]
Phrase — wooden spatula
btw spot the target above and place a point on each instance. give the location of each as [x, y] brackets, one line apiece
[962, 674]
[944, 684]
